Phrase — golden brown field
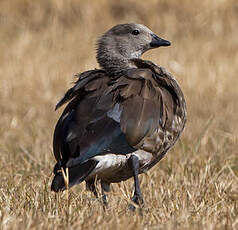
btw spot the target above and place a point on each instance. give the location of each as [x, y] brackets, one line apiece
[43, 43]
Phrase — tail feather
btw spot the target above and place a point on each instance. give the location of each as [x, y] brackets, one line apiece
[76, 175]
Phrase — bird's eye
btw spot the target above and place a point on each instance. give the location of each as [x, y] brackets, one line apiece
[135, 32]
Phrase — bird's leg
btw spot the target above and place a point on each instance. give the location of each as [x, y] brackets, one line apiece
[91, 187]
[137, 197]
[105, 188]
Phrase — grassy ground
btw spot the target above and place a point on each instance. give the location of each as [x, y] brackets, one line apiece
[43, 43]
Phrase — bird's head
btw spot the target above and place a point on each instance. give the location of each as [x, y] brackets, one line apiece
[126, 41]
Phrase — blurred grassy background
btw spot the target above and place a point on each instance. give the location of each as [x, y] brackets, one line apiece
[43, 43]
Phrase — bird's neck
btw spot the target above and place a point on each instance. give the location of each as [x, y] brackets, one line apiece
[114, 63]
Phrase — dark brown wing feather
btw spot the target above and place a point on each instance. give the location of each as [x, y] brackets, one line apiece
[139, 118]
[172, 116]
[89, 83]
[142, 109]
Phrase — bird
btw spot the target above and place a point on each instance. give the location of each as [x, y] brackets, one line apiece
[120, 119]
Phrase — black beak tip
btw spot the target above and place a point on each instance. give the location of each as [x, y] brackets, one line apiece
[167, 43]
[157, 42]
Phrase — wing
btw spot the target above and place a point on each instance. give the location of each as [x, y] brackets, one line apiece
[117, 115]
[87, 83]
[170, 108]
[153, 110]
[90, 123]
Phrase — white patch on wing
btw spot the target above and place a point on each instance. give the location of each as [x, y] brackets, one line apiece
[115, 113]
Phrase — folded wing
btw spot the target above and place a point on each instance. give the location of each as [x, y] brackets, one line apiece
[106, 115]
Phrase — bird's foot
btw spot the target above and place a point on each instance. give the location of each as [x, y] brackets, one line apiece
[138, 200]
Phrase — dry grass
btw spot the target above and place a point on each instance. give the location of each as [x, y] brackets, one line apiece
[43, 43]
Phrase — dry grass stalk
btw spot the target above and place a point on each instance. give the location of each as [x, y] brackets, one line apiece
[43, 43]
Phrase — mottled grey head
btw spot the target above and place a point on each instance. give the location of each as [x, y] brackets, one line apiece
[124, 42]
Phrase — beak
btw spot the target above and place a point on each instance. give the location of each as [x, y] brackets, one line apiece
[157, 42]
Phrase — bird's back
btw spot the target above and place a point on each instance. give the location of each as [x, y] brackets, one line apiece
[143, 108]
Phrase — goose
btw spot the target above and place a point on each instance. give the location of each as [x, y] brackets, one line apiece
[120, 120]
